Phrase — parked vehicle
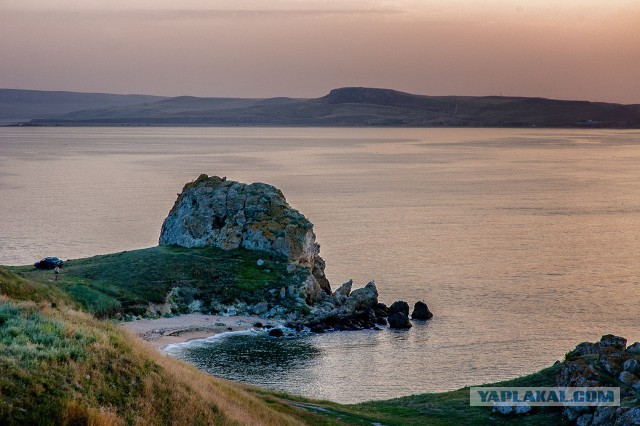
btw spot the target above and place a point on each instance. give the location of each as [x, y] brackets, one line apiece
[48, 263]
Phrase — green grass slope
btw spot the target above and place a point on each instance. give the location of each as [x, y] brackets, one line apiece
[125, 283]
[61, 364]
[447, 408]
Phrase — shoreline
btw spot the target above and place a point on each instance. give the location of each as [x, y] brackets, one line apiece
[162, 332]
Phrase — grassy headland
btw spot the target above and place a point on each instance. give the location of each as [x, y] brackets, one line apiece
[62, 364]
[125, 283]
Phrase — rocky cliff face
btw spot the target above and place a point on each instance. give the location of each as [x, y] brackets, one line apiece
[607, 363]
[215, 212]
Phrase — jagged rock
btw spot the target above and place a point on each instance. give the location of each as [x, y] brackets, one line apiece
[399, 306]
[612, 360]
[612, 367]
[421, 311]
[578, 373]
[604, 416]
[260, 308]
[632, 366]
[574, 413]
[628, 378]
[628, 417]
[634, 349]
[381, 310]
[215, 212]
[342, 293]
[584, 348]
[617, 342]
[359, 299]
[366, 296]
[312, 291]
[584, 420]
[399, 320]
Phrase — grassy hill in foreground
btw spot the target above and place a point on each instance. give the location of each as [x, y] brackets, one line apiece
[61, 365]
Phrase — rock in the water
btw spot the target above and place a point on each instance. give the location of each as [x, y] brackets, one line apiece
[365, 297]
[344, 289]
[276, 332]
[399, 320]
[215, 212]
[617, 342]
[421, 311]
[359, 300]
[399, 306]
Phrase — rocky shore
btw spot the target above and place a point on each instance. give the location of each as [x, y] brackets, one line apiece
[229, 215]
[607, 363]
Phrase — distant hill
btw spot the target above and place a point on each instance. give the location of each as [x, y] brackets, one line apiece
[359, 106]
[24, 105]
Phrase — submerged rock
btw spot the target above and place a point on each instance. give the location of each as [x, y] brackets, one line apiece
[399, 320]
[399, 306]
[421, 311]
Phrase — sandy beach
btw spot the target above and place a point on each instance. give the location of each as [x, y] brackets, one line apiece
[162, 332]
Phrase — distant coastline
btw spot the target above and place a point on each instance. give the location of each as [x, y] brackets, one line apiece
[343, 107]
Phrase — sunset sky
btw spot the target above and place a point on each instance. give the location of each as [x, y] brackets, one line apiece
[568, 49]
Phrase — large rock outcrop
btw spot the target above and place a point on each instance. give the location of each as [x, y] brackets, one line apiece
[607, 363]
[215, 212]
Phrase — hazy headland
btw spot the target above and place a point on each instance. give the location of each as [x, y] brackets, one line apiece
[348, 107]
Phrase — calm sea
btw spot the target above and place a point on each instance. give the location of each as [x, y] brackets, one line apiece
[522, 242]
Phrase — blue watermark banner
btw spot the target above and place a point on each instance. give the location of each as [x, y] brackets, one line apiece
[545, 396]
